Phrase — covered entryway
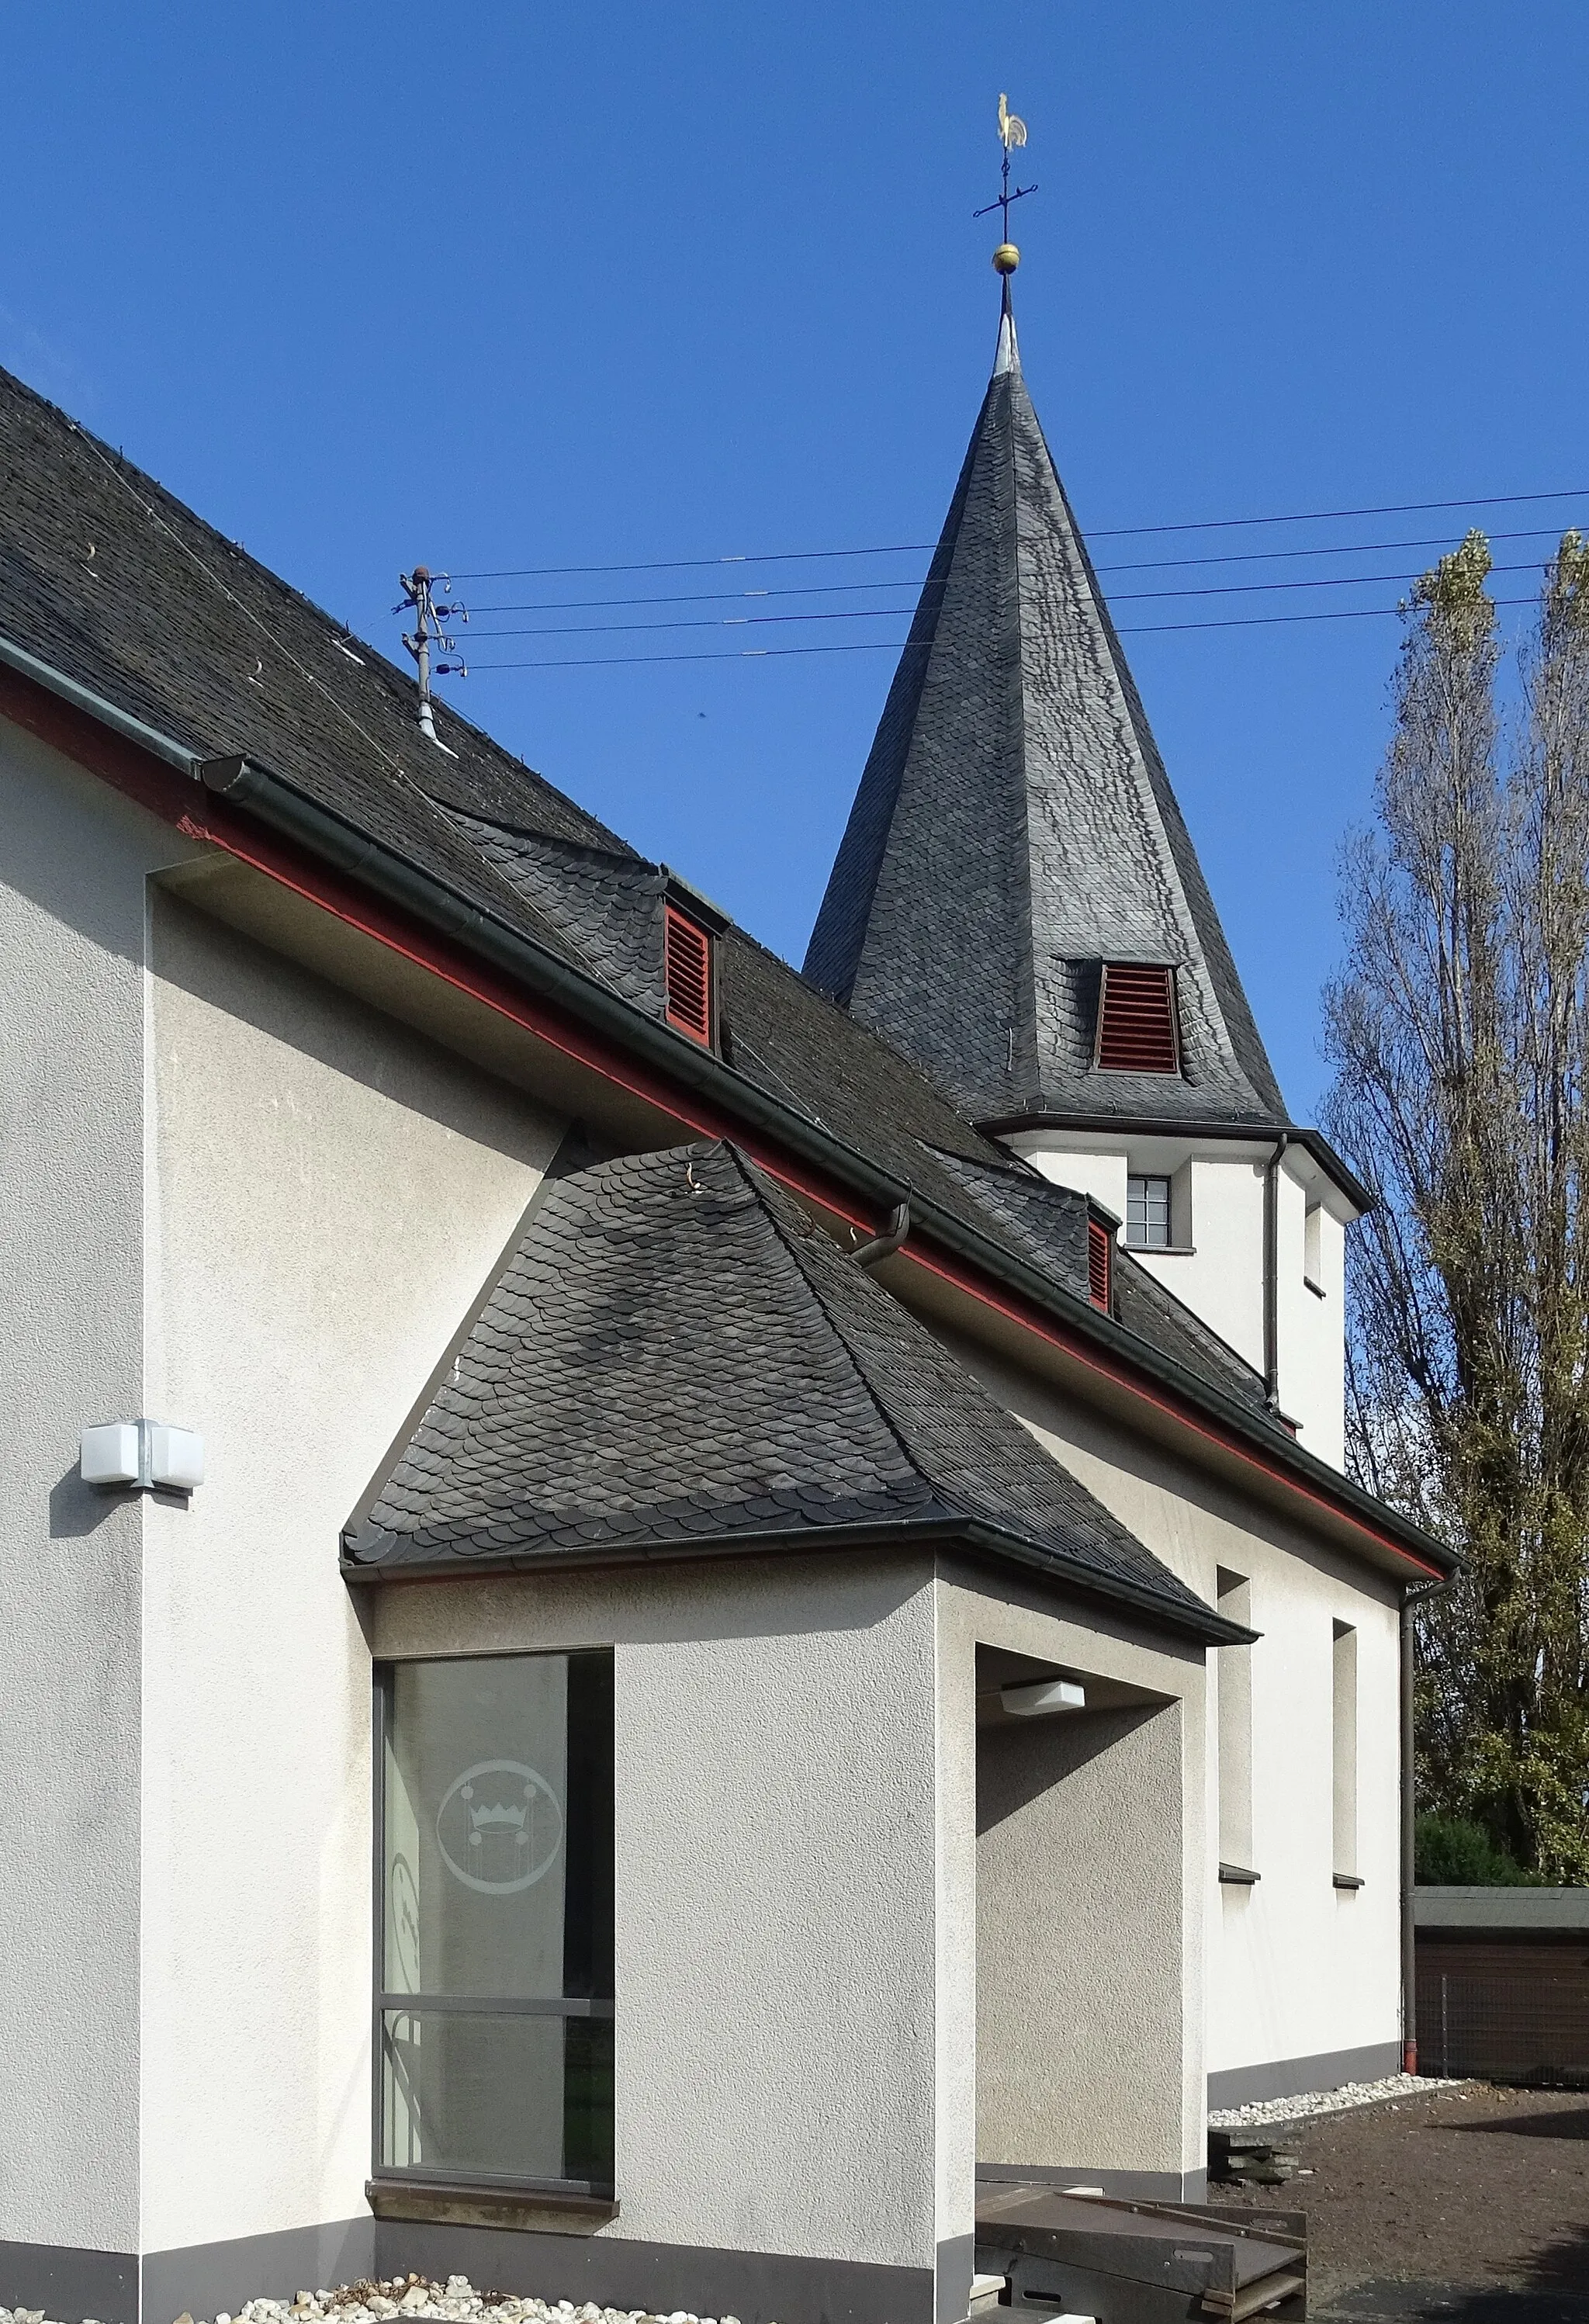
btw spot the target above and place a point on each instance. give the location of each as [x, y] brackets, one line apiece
[1081, 2018]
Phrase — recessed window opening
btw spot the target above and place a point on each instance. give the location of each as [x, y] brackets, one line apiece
[1232, 1680]
[1344, 1724]
[493, 2003]
[1147, 1213]
[1137, 1030]
[688, 974]
[1312, 1245]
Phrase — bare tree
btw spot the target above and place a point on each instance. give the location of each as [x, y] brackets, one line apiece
[1459, 1030]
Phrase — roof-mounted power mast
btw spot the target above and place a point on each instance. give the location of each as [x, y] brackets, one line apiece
[420, 596]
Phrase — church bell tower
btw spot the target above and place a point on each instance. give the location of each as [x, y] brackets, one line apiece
[1018, 905]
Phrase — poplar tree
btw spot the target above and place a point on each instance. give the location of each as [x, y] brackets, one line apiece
[1459, 1032]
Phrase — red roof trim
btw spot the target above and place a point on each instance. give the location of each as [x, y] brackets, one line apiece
[198, 813]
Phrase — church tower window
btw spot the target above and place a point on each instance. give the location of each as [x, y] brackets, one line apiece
[1136, 1030]
[1147, 1213]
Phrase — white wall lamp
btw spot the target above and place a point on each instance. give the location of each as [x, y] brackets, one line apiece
[143, 1454]
[1039, 1701]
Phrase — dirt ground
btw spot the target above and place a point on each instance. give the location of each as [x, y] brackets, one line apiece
[1470, 2205]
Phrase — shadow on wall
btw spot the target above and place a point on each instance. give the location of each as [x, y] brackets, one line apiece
[1018, 1763]
[1080, 1970]
[225, 970]
[75, 1509]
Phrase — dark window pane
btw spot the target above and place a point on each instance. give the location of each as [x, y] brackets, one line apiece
[587, 2100]
[587, 1926]
[499, 2096]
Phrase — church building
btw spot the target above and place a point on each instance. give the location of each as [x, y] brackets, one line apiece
[664, 1614]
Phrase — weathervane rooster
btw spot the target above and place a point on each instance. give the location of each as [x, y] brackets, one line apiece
[1012, 128]
[1012, 134]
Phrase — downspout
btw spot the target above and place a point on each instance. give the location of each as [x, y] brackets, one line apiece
[1271, 1267]
[883, 1246]
[1408, 1859]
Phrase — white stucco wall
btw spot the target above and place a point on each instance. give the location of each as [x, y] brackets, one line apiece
[329, 1195]
[783, 1947]
[1297, 1967]
[72, 866]
[1087, 1875]
[1217, 1269]
[1311, 1321]
[1102, 1174]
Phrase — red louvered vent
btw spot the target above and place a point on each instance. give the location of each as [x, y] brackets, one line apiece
[687, 970]
[1136, 1020]
[1100, 1259]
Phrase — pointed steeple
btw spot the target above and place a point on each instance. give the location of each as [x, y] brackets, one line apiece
[1015, 833]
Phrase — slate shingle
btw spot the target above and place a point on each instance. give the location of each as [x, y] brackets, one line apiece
[1015, 826]
[675, 1353]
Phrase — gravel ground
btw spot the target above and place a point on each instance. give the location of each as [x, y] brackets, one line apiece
[416, 2297]
[1463, 2201]
[1312, 2102]
[1441, 2203]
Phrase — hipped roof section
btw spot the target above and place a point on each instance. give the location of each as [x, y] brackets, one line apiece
[675, 1360]
[1015, 828]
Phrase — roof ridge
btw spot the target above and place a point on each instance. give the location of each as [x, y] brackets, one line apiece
[746, 1169]
[953, 1498]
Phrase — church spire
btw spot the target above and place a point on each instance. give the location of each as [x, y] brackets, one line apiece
[1015, 837]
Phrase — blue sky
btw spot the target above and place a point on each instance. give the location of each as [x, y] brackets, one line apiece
[505, 286]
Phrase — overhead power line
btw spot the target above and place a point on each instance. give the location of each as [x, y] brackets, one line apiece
[898, 645]
[903, 612]
[1325, 516]
[859, 588]
[920, 548]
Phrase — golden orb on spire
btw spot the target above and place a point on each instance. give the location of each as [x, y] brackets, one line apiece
[1006, 258]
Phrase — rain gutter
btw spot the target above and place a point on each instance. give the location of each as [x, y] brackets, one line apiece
[1194, 1126]
[975, 1534]
[1042, 1304]
[82, 697]
[273, 800]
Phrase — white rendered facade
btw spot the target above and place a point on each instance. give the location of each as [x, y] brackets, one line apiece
[251, 1201]
[1218, 1252]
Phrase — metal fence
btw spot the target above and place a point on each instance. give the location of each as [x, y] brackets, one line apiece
[1504, 2029]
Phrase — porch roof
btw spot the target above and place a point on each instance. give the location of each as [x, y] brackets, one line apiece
[675, 1360]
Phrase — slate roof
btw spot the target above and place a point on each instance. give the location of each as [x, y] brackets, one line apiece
[675, 1357]
[1015, 827]
[1049, 1224]
[180, 628]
